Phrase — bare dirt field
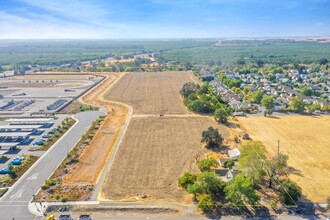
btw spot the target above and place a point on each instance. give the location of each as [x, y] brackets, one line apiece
[154, 152]
[307, 142]
[94, 157]
[152, 93]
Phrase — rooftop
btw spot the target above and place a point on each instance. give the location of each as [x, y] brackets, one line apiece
[15, 134]
[19, 126]
[29, 120]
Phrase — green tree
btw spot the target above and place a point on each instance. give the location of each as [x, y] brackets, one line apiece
[210, 183]
[267, 102]
[276, 167]
[188, 88]
[306, 91]
[290, 192]
[195, 189]
[251, 160]
[312, 108]
[323, 61]
[220, 115]
[297, 104]
[207, 164]
[212, 137]
[257, 96]
[186, 180]
[241, 190]
[206, 204]
[201, 106]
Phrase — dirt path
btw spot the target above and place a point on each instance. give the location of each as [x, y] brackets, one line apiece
[95, 156]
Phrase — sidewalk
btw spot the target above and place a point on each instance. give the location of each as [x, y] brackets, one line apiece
[39, 208]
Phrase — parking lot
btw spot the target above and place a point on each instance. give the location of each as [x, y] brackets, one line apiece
[35, 96]
[28, 99]
[24, 149]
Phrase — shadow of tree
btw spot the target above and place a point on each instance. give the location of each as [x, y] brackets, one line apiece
[295, 171]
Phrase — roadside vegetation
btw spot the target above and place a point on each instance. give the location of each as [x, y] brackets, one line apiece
[16, 171]
[76, 106]
[57, 133]
[54, 189]
[3, 191]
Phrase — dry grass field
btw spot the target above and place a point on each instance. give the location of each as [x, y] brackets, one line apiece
[152, 93]
[307, 142]
[154, 153]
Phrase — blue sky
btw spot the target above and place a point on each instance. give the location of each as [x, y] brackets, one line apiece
[40, 19]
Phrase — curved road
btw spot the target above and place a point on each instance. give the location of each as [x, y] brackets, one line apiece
[14, 204]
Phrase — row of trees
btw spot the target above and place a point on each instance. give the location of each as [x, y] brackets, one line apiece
[202, 99]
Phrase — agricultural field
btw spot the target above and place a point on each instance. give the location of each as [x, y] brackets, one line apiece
[152, 93]
[307, 142]
[154, 153]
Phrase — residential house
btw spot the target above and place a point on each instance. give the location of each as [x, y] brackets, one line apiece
[226, 175]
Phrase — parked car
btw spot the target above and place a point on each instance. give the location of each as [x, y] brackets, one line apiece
[45, 136]
[85, 217]
[19, 158]
[16, 162]
[40, 142]
[65, 217]
[5, 171]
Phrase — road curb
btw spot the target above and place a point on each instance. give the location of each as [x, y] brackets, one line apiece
[38, 161]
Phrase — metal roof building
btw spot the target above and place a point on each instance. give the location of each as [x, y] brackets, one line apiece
[15, 134]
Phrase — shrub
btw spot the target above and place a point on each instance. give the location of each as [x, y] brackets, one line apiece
[51, 182]
[290, 193]
[186, 180]
[45, 186]
[206, 204]
[273, 204]
[207, 164]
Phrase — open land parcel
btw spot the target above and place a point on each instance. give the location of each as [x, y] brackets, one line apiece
[156, 149]
[307, 142]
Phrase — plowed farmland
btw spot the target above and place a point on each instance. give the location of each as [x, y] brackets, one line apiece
[152, 93]
[153, 154]
[307, 142]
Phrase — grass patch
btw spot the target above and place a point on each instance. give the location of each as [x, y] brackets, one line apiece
[76, 107]
[3, 191]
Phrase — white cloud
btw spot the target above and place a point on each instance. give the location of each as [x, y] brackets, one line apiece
[75, 9]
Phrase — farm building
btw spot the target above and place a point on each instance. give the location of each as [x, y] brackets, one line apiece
[234, 154]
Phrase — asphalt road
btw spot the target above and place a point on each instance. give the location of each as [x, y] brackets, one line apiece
[14, 204]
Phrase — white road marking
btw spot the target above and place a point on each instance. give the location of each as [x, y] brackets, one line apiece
[33, 176]
[17, 195]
